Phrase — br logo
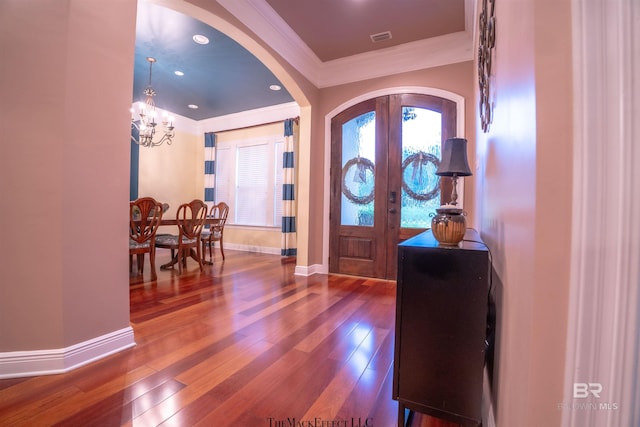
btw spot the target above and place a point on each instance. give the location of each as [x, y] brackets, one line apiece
[583, 390]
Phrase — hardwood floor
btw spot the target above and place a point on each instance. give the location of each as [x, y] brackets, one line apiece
[245, 343]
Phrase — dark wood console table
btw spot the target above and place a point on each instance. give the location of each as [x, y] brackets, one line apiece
[441, 320]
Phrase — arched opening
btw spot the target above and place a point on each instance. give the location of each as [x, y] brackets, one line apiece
[458, 130]
[209, 17]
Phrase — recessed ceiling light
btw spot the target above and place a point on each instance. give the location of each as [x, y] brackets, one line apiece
[200, 39]
[178, 73]
[193, 106]
[275, 87]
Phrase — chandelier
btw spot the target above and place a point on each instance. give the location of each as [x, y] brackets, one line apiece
[146, 123]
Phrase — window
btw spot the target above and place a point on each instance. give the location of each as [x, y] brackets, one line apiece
[249, 179]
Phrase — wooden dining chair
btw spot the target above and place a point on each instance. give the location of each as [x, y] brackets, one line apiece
[216, 230]
[145, 215]
[190, 219]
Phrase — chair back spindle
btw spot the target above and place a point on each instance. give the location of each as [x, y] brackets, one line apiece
[190, 218]
[145, 215]
[220, 212]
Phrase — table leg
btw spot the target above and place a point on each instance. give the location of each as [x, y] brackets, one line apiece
[192, 253]
[171, 263]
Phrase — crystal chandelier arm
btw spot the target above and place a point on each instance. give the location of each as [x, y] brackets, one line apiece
[146, 124]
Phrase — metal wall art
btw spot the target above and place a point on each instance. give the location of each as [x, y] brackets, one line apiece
[486, 45]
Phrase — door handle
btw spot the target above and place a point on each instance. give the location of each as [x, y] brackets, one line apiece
[392, 210]
[392, 197]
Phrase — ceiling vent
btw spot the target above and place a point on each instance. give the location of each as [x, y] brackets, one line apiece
[380, 36]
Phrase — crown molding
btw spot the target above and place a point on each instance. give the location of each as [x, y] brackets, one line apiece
[272, 29]
[239, 120]
[435, 52]
[249, 118]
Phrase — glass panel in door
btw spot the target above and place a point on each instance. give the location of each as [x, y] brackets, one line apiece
[358, 170]
[421, 141]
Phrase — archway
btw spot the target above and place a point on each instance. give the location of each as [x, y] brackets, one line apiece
[210, 17]
[460, 131]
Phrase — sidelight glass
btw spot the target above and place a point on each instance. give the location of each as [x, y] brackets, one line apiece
[421, 140]
[358, 170]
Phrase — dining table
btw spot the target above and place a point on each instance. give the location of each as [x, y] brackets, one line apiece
[173, 221]
[192, 252]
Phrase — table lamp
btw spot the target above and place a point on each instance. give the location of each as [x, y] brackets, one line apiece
[449, 225]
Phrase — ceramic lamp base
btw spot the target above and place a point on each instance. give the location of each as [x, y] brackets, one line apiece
[449, 226]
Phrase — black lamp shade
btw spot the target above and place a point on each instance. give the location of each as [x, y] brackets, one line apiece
[454, 158]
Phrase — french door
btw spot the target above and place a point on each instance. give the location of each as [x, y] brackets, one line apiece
[384, 154]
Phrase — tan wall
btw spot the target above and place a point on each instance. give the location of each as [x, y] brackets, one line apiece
[173, 174]
[64, 161]
[253, 239]
[524, 206]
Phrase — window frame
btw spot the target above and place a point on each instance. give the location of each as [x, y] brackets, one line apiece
[273, 169]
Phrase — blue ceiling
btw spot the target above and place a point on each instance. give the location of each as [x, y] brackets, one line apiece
[220, 78]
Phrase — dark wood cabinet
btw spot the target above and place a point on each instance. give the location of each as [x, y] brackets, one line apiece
[441, 324]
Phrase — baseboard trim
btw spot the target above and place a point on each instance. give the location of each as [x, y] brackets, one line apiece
[252, 248]
[310, 270]
[18, 364]
[300, 270]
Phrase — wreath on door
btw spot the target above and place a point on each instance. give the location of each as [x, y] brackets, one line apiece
[420, 174]
[358, 174]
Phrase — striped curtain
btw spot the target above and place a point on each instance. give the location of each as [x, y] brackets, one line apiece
[289, 244]
[209, 169]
